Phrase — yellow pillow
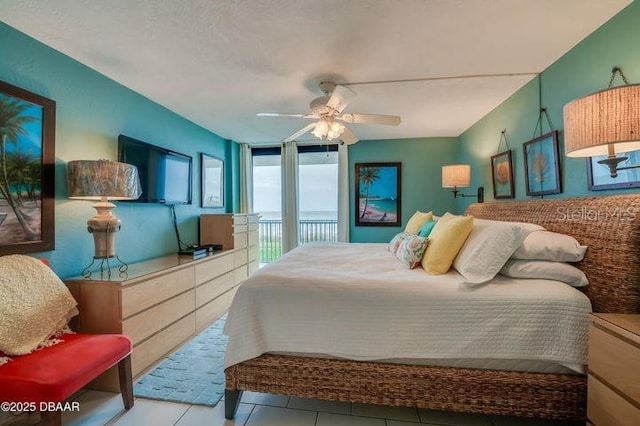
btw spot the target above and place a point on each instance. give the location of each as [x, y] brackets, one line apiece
[445, 241]
[417, 220]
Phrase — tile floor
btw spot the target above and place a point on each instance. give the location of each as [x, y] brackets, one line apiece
[256, 409]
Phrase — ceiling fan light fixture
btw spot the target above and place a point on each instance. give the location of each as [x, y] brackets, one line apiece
[328, 129]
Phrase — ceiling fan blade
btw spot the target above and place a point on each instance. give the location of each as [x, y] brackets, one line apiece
[348, 137]
[300, 132]
[279, 114]
[387, 120]
[340, 98]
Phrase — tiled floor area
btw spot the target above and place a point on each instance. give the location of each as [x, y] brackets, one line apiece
[102, 408]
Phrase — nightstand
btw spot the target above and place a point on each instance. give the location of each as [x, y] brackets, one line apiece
[614, 370]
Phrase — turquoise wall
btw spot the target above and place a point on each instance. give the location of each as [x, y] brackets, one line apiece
[422, 160]
[92, 111]
[583, 70]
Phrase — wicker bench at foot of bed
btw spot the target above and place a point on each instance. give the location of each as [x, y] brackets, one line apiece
[551, 396]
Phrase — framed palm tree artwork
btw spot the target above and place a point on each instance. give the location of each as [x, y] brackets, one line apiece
[27, 156]
[378, 194]
[542, 165]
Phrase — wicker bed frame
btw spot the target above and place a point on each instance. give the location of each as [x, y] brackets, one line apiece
[610, 226]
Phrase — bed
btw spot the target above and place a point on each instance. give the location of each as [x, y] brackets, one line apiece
[608, 225]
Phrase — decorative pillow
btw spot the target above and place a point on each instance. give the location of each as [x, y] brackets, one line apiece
[551, 246]
[490, 244]
[445, 241]
[417, 220]
[411, 251]
[35, 304]
[395, 242]
[426, 229]
[545, 270]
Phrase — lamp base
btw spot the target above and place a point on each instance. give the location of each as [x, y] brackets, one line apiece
[103, 226]
[104, 266]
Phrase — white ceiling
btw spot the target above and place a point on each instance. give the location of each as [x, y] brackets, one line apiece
[219, 62]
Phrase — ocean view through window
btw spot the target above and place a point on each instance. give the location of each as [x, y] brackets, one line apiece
[317, 198]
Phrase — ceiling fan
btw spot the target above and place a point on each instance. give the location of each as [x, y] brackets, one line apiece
[327, 111]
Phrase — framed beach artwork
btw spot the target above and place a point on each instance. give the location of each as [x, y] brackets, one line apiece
[599, 178]
[542, 165]
[378, 194]
[502, 175]
[212, 190]
[27, 156]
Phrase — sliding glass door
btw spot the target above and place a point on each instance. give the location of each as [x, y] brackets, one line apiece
[317, 196]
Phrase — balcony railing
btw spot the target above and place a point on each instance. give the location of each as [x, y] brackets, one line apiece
[310, 230]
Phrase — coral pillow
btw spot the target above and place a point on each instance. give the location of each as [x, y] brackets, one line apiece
[445, 241]
[396, 241]
[411, 251]
[417, 220]
[35, 304]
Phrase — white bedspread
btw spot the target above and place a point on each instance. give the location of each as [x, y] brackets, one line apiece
[356, 301]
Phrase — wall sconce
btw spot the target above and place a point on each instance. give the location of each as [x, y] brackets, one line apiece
[604, 123]
[103, 180]
[459, 176]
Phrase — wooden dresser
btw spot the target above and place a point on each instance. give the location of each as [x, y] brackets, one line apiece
[614, 370]
[159, 303]
[233, 231]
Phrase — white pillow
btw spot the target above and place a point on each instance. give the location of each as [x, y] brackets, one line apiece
[488, 247]
[557, 271]
[551, 246]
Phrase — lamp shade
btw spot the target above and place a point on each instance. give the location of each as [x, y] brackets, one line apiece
[603, 120]
[456, 175]
[98, 179]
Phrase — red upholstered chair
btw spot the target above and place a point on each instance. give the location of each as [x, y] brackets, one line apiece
[45, 378]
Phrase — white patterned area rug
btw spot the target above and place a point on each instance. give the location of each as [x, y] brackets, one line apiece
[192, 375]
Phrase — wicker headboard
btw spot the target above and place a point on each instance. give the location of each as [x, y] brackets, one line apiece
[610, 226]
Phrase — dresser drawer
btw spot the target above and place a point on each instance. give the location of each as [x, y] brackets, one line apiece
[240, 258]
[214, 309]
[214, 288]
[615, 361]
[149, 322]
[148, 352]
[240, 274]
[253, 218]
[607, 408]
[253, 238]
[239, 228]
[240, 240]
[206, 271]
[239, 220]
[254, 252]
[144, 294]
[253, 226]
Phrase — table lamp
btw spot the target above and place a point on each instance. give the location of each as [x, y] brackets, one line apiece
[103, 180]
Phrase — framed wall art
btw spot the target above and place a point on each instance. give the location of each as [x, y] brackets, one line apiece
[378, 194]
[599, 177]
[27, 157]
[542, 165]
[502, 175]
[212, 190]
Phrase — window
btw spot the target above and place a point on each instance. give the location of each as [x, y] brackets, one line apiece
[317, 196]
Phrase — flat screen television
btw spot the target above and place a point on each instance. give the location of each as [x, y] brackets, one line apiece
[165, 176]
